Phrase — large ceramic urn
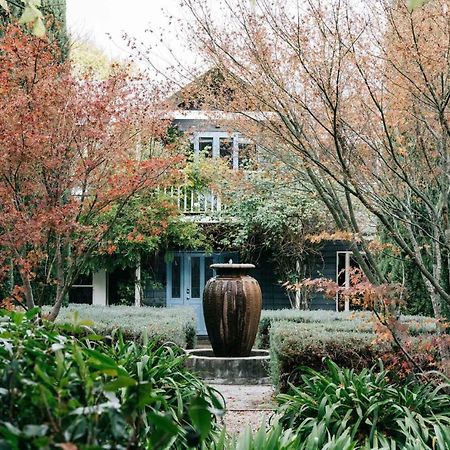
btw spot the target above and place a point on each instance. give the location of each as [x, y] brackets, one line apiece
[232, 308]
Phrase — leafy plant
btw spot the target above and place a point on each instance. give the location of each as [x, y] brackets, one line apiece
[272, 216]
[277, 438]
[94, 393]
[367, 407]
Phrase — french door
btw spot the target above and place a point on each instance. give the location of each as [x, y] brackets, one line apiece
[187, 274]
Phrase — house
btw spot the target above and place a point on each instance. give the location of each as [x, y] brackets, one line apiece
[179, 275]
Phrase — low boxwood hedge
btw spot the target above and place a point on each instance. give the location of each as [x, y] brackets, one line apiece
[176, 325]
[295, 345]
[359, 321]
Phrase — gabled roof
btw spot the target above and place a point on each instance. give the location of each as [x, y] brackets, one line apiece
[202, 92]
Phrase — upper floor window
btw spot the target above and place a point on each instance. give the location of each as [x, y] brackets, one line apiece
[247, 156]
[240, 153]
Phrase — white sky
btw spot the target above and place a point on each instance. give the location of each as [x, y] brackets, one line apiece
[95, 19]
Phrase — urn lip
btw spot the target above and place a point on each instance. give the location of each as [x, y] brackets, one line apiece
[232, 266]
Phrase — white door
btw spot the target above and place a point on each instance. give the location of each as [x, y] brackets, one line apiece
[187, 274]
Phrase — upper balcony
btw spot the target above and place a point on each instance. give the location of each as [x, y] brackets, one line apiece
[203, 204]
[210, 142]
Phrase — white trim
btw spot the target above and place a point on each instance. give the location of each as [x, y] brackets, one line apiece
[348, 255]
[211, 115]
[99, 288]
[137, 286]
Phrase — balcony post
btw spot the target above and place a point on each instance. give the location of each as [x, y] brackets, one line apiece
[235, 151]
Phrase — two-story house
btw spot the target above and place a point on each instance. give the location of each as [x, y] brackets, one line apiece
[181, 274]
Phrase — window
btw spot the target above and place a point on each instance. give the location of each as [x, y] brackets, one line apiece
[205, 146]
[195, 276]
[82, 290]
[247, 156]
[176, 277]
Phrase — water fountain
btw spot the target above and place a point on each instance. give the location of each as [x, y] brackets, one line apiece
[232, 304]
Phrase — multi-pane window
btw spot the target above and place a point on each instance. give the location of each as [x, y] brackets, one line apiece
[239, 152]
[226, 150]
[247, 156]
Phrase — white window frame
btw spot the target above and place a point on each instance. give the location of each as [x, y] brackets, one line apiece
[216, 136]
[348, 254]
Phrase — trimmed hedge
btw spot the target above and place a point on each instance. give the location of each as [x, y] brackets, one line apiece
[359, 321]
[293, 345]
[176, 325]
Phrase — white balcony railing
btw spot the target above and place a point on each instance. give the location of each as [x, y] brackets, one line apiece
[191, 201]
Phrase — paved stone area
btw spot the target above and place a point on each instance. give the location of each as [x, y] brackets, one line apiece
[246, 405]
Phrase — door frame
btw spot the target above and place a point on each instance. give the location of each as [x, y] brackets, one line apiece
[185, 276]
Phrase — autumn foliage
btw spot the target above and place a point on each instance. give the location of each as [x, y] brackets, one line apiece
[71, 151]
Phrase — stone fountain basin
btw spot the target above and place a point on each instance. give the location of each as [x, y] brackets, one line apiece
[253, 369]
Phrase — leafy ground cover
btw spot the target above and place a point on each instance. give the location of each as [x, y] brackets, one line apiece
[97, 392]
[369, 410]
[56, 389]
[165, 324]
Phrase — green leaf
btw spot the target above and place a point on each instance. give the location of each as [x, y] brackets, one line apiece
[101, 357]
[165, 430]
[200, 416]
[33, 312]
[35, 430]
[119, 383]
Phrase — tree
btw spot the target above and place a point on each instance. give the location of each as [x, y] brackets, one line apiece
[270, 214]
[39, 17]
[74, 154]
[358, 100]
[89, 60]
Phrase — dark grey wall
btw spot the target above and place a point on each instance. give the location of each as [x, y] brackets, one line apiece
[325, 267]
[274, 295]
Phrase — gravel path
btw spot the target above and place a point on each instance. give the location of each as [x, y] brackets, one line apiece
[246, 405]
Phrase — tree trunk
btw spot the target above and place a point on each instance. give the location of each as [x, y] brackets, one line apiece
[29, 297]
[444, 350]
[61, 289]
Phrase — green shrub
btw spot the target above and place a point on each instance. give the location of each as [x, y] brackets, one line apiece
[293, 345]
[277, 438]
[358, 321]
[368, 408]
[176, 325]
[57, 389]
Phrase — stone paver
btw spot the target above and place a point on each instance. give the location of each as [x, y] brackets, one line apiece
[246, 405]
